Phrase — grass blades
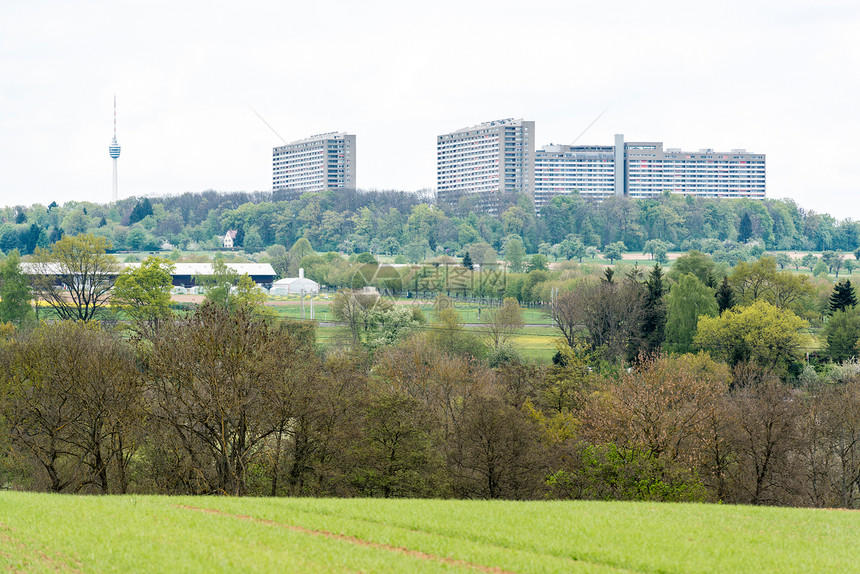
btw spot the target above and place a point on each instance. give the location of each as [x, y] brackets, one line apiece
[50, 533]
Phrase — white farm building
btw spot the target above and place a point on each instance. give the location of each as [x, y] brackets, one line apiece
[295, 286]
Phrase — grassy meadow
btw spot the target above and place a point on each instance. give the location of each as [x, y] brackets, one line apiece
[61, 533]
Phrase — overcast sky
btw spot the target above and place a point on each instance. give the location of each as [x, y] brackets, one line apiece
[774, 77]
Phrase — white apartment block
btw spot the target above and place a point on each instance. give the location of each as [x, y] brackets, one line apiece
[320, 162]
[561, 169]
[650, 170]
[493, 157]
[645, 169]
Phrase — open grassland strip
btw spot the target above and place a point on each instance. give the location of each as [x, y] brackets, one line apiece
[460, 552]
[149, 534]
[646, 537]
[51, 533]
[19, 555]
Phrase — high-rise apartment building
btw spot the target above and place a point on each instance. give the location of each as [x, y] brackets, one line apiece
[645, 169]
[324, 161]
[561, 169]
[493, 157]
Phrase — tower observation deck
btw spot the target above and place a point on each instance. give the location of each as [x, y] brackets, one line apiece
[114, 150]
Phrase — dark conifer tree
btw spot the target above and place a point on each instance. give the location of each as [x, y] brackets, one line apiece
[654, 317]
[239, 240]
[467, 261]
[725, 296]
[842, 297]
[141, 209]
[745, 230]
[608, 273]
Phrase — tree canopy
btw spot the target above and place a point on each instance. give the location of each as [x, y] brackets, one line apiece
[75, 275]
[760, 333]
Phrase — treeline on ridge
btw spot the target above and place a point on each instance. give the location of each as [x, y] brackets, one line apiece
[399, 222]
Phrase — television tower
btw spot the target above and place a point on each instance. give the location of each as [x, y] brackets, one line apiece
[114, 150]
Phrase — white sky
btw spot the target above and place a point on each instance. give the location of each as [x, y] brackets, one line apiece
[774, 77]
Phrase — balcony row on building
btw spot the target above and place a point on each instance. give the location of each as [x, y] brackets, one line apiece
[499, 157]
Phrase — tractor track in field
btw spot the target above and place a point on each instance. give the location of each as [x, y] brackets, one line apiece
[354, 540]
[34, 558]
[394, 549]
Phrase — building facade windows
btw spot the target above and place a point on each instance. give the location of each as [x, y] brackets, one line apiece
[325, 161]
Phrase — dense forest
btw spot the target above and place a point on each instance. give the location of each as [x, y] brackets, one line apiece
[408, 224]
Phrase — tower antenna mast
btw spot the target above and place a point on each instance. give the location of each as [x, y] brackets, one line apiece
[114, 149]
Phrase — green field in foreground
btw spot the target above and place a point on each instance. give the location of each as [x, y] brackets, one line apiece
[40, 532]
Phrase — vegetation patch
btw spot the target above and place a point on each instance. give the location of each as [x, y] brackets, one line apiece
[168, 534]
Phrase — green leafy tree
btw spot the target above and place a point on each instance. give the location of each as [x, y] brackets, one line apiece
[74, 276]
[688, 300]
[809, 261]
[842, 333]
[613, 251]
[15, 298]
[483, 254]
[415, 252]
[141, 209]
[538, 262]
[365, 258]
[760, 333]
[783, 260]
[143, 293]
[762, 280]
[657, 248]
[300, 249]
[833, 260]
[572, 248]
[545, 249]
[253, 241]
[225, 287]
[699, 264]
[373, 321]
[514, 252]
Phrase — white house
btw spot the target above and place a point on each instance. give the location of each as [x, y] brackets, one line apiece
[229, 238]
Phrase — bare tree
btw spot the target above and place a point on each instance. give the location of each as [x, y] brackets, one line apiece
[495, 452]
[502, 323]
[75, 404]
[607, 314]
[764, 423]
[207, 381]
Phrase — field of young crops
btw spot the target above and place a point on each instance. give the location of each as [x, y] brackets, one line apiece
[51, 533]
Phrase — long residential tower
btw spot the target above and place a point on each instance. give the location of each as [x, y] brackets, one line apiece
[646, 169]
